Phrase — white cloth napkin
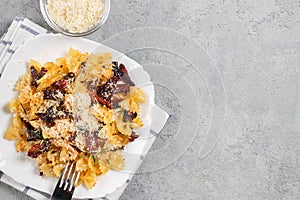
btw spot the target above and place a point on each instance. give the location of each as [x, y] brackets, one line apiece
[18, 32]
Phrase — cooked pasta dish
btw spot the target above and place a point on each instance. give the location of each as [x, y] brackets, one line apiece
[81, 108]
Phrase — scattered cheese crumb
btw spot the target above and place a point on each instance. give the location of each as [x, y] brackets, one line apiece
[76, 16]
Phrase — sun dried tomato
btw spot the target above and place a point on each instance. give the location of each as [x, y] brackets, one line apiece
[35, 75]
[33, 134]
[133, 136]
[38, 149]
[129, 116]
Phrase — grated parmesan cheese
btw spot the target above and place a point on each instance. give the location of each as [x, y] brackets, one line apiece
[86, 123]
[76, 16]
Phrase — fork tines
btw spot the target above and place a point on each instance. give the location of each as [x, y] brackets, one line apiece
[66, 183]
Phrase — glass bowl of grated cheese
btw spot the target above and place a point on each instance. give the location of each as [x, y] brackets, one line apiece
[75, 17]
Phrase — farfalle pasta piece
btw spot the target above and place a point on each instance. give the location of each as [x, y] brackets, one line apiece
[23, 145]
[15, 130]
[136, 97]
[54, 73]
[35, 103]
[47, 169]
[53, 155]
[74, 59]
[102, 113]
[89, 178]
[82, 164]
[119, 140]
[116, 160]
[57, 169]
[124, 127]
[94, 165]
[100, 65]
[23, 83]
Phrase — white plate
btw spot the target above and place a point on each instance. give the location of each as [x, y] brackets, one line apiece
[46, 48]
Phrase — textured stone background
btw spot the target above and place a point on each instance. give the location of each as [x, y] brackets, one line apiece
[255, 46]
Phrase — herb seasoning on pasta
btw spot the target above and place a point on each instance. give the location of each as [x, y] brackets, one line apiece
[81, 108]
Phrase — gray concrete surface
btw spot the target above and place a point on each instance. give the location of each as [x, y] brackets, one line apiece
[254, 47]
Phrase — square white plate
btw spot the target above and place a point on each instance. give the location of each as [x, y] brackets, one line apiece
[46, 48]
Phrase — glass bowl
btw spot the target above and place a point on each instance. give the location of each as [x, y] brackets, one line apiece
[56, 27]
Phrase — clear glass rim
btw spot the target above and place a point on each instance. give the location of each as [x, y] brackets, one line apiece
[54, 26]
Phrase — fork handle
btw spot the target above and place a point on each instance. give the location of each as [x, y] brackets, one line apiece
[62, 195]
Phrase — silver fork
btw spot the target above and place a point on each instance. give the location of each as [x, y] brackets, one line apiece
[66, 183]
